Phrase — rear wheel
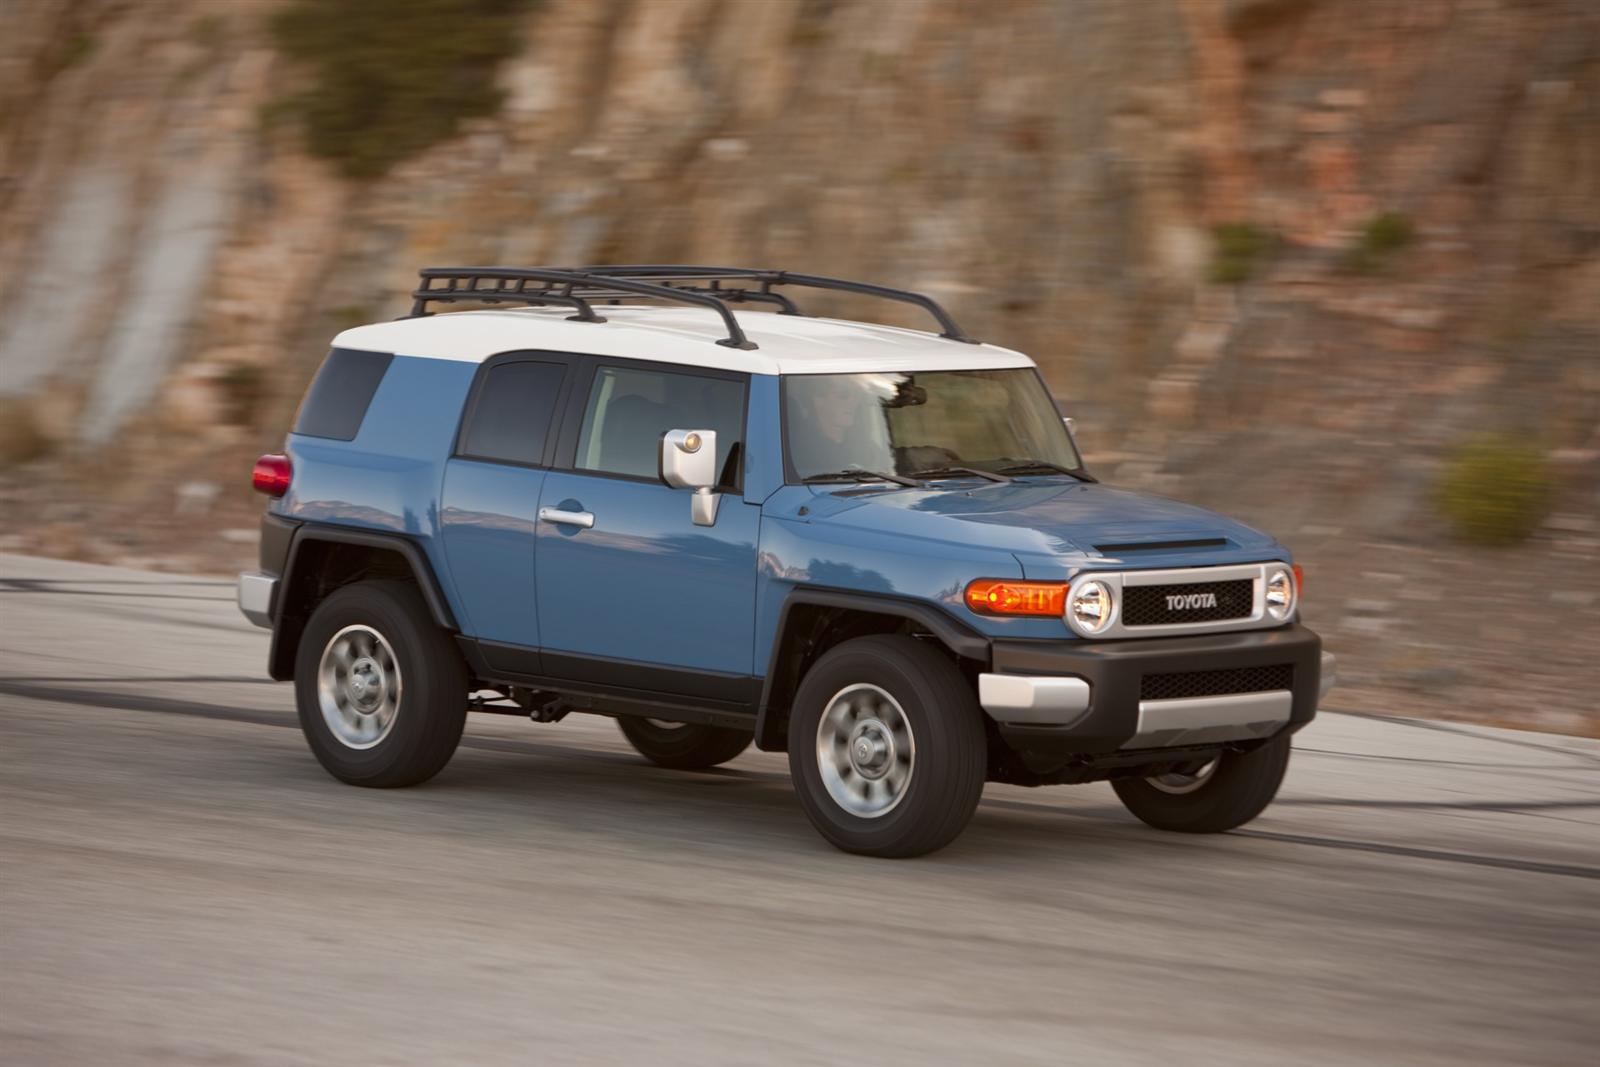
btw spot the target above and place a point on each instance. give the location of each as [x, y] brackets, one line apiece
[683, 746]
[1220, 795]
[381, 691]
[886, 747]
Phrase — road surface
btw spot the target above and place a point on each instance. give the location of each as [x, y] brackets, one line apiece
[181, 884]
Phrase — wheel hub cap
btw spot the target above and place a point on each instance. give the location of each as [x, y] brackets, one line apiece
[865, 751]
[358, 687]
[871, 749]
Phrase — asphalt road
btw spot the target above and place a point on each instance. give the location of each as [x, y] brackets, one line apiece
[181, 884]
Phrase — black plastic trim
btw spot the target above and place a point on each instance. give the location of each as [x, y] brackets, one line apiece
[1116, 669]
[676, 682]
[677, 694]
[956, 635]
[1122, 548]
[286, 631]
[414, 556]
[277, 534]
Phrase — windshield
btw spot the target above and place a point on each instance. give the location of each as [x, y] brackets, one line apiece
[916, 423]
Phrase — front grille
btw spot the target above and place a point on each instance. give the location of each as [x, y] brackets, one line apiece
[1147, 605]
[1216, 683]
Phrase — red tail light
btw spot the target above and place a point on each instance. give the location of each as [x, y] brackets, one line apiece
[271, 475]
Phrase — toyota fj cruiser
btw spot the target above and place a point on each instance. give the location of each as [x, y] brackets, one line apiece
[874, 548]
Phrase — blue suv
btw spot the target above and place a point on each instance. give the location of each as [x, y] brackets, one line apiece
[874, 548]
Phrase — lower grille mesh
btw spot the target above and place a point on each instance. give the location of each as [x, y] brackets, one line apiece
[1216, 683]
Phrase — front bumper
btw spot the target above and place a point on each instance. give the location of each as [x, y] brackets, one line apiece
[256, 592]
[1085, 697]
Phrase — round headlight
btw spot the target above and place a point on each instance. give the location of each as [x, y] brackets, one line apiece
[1091, 607]
[1280, 593]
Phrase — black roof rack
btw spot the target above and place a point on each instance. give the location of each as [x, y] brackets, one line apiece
[710, 287]
[560, 287]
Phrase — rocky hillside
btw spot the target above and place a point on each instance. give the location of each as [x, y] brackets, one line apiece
[1283, 257]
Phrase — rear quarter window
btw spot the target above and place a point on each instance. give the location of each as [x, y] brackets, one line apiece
[510, 414]
[339, 396]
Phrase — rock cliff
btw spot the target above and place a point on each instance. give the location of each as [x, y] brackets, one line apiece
[1277, 256]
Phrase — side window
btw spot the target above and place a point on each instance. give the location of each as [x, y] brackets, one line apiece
[629, 409]
[511, 412]
[338, 399]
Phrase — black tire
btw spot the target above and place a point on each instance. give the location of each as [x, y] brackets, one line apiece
[1240, 788]
[684, 746]
[431, 707]
[946, 727]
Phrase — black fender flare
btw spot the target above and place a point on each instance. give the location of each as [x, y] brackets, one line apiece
[954, 634]
[286, 633]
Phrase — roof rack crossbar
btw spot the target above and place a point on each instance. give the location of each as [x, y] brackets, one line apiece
[785, 305]
[562, 287]
[454, 292]
[668, 273]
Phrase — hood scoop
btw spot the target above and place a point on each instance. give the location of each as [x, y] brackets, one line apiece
[1122, 548]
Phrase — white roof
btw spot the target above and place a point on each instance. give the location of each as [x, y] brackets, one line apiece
[786, 344]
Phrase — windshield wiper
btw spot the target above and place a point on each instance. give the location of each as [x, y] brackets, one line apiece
[856, 474]
[1039, 466]
[945, 472]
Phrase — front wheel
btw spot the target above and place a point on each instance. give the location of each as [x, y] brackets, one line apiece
[887, 747]
[1220, 795]
[683, 746]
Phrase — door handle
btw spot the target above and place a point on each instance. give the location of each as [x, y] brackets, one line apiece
[582, 519]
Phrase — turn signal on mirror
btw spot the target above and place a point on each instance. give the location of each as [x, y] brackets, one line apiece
[1002, 596]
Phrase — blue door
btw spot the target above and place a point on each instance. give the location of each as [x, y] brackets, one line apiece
[630, 592]
[490, 498]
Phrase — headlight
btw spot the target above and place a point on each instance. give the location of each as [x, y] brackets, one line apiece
[1280, 593]
[1091, 607]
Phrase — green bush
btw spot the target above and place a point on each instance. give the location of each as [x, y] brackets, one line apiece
[389, 78]
[1237, 249]
[1381, 237]
[76, 50]
[1495, 489]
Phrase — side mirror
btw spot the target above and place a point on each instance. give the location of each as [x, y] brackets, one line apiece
[689, 461]
[1072, 435]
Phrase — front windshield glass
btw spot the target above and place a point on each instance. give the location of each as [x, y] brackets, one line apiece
[914, 423]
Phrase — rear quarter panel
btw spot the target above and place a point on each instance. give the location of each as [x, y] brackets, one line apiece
[389, 478]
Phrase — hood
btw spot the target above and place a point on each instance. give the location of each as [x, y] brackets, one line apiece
[1044, 521]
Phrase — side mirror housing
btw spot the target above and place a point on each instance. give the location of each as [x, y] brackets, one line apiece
[1072, 435]
[689, 461]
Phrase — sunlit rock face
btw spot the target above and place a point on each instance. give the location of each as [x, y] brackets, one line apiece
[1057, 172]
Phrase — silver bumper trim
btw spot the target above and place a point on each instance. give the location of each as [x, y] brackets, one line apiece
[1034, 701]
[255, 597]
[1207, 720]
[1330, 674]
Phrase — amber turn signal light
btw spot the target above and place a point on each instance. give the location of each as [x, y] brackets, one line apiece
[1004, 596]
[1299, 580]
